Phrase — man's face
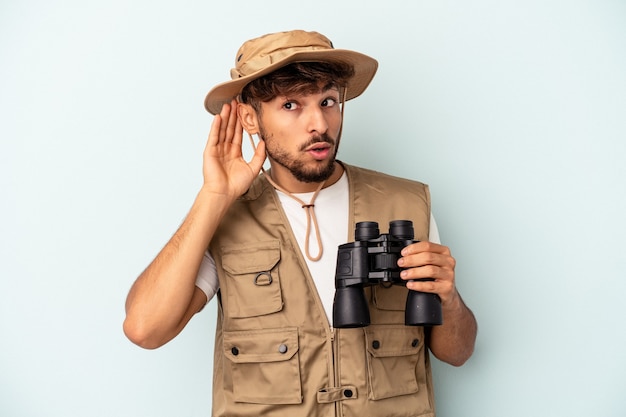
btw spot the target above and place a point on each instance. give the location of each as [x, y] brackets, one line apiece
[300, 133]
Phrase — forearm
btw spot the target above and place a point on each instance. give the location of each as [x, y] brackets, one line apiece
[453, 341]
[158, 304]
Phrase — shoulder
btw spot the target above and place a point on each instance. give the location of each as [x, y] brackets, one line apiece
[361, 175]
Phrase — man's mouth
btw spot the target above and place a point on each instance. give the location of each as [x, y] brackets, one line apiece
[319, 150]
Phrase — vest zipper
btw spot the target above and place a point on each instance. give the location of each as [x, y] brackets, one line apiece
[332, 373]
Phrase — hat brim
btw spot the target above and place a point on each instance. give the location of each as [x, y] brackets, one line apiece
[364, 70]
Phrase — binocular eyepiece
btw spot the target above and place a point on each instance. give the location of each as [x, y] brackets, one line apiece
[373, 259]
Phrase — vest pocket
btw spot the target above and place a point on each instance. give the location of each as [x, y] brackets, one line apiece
[393, 354]
[264, 366]
[253, 278]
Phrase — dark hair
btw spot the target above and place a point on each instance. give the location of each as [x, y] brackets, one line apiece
[296, 78]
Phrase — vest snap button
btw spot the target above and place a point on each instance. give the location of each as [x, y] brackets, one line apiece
[348, 393]
[234, 351]
[415, 342]
[282, 348]
[376, 344]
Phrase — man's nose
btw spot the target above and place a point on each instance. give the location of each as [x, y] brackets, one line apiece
[317, 121]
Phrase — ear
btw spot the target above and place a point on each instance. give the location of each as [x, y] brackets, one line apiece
[248, 117]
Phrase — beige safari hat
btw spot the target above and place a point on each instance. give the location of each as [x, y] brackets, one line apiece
[260, 56]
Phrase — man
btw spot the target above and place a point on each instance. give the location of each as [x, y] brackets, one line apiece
[266, 244]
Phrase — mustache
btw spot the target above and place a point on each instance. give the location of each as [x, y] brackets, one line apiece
[323, 138]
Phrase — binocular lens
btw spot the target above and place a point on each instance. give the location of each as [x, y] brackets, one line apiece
[350, 308]
[366, 231]
[402, 229]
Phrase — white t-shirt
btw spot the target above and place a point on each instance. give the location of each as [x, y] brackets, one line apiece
[331, 211]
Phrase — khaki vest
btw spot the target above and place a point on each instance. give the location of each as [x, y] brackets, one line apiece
[275, 352]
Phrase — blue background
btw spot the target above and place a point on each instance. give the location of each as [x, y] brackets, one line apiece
[513, 111]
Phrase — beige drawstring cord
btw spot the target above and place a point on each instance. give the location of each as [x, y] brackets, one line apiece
[310, 218]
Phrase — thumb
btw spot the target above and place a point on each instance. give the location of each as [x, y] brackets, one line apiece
[259, 157]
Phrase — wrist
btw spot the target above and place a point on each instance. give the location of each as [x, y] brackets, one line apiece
[453, 302]
[211, 196]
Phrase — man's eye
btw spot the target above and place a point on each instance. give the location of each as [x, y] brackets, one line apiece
[290, 105]
[329, 102]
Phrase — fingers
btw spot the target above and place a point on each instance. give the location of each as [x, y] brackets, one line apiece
[425, 246]
[231, 129]
[224, 145]
[226, 125]
[429, 267]
[427, 253]
[214, 133]
[226, 129]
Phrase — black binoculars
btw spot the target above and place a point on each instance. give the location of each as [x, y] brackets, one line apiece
[373, 259]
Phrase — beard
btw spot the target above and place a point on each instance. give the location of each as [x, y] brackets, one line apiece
[318, 173]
